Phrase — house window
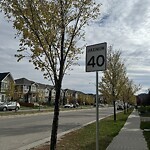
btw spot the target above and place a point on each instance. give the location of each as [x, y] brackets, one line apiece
[25, 88]
[4, 85]
[3, 98]
[33, 88]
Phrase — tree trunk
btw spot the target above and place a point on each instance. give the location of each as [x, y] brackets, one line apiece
[124, 107]
[64, 98]
[49, 97]
[127, 107]
[114, 102]
[55, 119]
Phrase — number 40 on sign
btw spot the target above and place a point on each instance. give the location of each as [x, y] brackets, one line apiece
[96, 57]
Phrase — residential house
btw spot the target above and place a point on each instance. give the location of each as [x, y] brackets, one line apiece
[143, 99]
[41, 92]
[26, 90]
[31, 92]
[52, 94]
[46, 93]
[69, 96]
[6, 86]
[72, 96]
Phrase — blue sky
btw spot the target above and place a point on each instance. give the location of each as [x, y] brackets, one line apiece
[123, 24]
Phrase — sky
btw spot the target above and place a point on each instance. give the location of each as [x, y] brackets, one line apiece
[123, 24]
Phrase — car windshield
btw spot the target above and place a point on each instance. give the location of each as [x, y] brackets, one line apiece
[4, 103]
[8, 103]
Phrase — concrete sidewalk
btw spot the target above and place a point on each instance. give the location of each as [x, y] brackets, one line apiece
[130, 137]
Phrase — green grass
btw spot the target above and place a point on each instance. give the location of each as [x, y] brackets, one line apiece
[145, 112]
[146, 125]
[84, 138]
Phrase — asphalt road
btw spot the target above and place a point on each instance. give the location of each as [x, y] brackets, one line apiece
[17, 132]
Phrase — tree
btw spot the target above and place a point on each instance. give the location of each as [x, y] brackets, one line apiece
[10, 90]
[112, 79]
[131, 89]
[18, 93]
[123, 91]
[128, 92]
[40, 97]
[48, 32]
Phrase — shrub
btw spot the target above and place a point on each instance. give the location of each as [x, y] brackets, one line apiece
[26, 104]
[148, 109]
[142, 109]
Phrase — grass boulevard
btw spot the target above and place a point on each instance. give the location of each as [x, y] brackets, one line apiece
[145, 122]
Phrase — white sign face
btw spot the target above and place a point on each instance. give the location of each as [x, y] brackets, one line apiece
[96, 57]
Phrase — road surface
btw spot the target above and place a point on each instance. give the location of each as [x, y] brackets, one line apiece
[17, 132]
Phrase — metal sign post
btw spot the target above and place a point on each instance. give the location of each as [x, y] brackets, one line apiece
[96, 61]
[97, 114]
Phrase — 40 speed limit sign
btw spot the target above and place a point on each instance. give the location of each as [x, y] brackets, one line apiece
[96, 57]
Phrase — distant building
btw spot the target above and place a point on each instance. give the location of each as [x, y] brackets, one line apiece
[143, 99]
[31, 92]
[6, 80]
[26, 90]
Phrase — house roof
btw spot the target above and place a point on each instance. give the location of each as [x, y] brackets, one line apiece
[41, 85]
[4, 75]
[24, 81]
[45, 86]
[50, 86]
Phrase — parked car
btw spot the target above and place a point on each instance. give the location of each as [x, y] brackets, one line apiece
[120, 107]
[99, 105]
[1, 102]
[9, 106]
[68, 106]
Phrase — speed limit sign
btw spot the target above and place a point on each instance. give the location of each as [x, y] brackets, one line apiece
[96, 57]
